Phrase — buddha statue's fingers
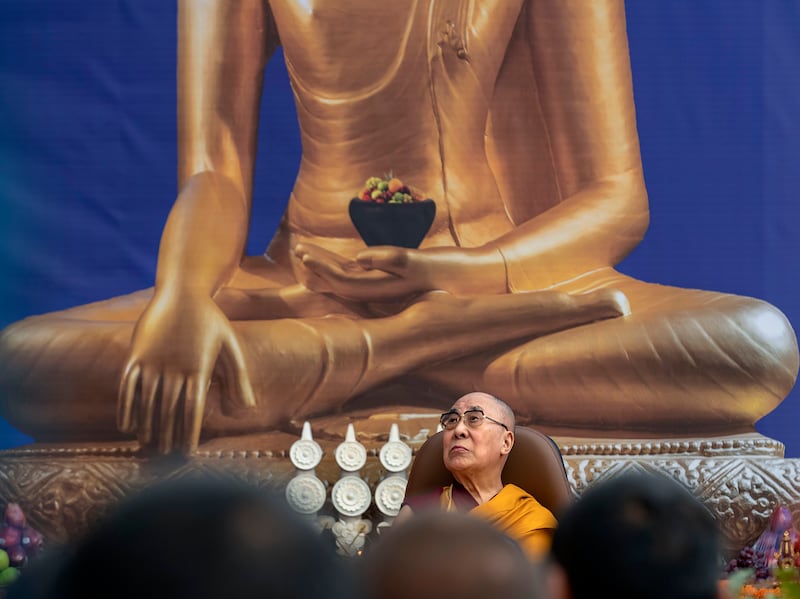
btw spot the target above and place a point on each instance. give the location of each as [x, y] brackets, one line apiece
[196, 392]
[147, 406]
[171, 390]
[127, 393]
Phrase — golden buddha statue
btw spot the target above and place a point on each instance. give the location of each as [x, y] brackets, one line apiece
[517, 118]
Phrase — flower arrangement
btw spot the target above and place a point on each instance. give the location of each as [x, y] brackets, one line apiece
[18, 542]
[770, 568]
[784, 583]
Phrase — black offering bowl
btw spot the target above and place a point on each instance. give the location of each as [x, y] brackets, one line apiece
[401, 224]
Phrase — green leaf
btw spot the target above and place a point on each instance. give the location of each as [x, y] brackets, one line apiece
[789, 579]
[738, 579]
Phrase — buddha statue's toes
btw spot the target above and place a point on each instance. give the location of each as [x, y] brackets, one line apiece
[611, 302]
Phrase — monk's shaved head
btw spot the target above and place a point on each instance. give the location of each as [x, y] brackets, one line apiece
[502, 411]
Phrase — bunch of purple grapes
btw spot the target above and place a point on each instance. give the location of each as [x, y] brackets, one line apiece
[17, 539]
[749, 558]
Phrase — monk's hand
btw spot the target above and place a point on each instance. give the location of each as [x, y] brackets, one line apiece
[176, 345]
[387, 273]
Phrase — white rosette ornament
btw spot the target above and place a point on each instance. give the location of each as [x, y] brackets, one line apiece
[306, 493]
[351, 496]
[395, 457]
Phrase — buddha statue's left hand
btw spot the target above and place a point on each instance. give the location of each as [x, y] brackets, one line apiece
[387, 273]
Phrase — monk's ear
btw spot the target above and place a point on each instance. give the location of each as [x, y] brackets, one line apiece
[508, 443]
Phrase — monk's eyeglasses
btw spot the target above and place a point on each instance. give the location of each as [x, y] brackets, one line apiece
[473, 418]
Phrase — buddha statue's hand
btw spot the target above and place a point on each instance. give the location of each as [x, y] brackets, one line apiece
[176, 345]
[387, 273]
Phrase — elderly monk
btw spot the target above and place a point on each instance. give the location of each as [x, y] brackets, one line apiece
[478, 436]
[517, 118]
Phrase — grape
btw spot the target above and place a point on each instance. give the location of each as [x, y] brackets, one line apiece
[31, 540]
[14, 515]
[17, 556]
[9, 536]
[388, 190]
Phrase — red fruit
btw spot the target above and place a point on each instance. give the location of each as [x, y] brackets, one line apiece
[16, 556]
[14, 515]
[9, 536]
[31, 539]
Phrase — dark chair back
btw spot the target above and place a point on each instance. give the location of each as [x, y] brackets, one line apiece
[534, 464]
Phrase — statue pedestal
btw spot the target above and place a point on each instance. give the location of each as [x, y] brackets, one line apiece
[740, 479]
[65, 489]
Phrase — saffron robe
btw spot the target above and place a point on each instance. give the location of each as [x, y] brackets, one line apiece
[512, 511]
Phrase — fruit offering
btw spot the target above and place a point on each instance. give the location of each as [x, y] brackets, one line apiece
[18, 543]
[749, 559]
[389, 190]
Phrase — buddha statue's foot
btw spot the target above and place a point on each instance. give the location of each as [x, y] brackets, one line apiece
[613, 300]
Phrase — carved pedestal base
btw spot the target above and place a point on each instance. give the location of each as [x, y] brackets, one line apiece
[65, 489]
[740, 479]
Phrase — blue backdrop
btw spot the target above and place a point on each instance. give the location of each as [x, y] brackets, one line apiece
[87, 152]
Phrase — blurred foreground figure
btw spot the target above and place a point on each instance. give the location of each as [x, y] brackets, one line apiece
[439, 555]
[517, 118]
[637, 536]
[195, 539]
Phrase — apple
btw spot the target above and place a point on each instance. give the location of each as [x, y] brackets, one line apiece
[8, 576]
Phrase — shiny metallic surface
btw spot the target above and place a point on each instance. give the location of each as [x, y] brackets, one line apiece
[517, 118]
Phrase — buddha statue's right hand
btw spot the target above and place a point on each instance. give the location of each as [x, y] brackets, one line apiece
[165, 381]
[389, 273]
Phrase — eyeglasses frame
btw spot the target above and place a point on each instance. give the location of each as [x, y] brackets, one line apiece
[461, 417]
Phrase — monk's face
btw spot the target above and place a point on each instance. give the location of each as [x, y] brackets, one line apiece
[481, 449]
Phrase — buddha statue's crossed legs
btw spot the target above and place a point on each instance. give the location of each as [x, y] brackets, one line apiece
[648, 371]
[297, 367]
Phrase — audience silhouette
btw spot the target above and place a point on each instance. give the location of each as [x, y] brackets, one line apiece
[637, 535]
[196, 538]
[448, 554]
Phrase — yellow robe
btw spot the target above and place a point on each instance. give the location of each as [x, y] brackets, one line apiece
[517, 514]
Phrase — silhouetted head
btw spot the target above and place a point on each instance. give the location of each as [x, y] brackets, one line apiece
[638, 535]
[199, 539]
[436, 555]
